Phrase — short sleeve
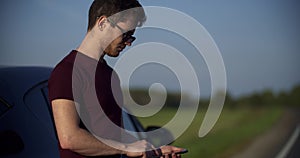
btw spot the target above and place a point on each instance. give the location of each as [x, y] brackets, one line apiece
[60, 82]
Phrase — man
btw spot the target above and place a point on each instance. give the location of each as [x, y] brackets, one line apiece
[85, 108]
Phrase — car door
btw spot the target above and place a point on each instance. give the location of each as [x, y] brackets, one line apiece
[26, 125]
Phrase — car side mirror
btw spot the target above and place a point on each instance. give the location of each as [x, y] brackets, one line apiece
[161, 137]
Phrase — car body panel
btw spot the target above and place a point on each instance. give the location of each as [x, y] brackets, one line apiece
[20, 118]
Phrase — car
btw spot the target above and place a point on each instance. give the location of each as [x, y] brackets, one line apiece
[26, 123]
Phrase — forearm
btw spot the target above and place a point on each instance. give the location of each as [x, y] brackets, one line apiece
[84, 143]
[78, 140]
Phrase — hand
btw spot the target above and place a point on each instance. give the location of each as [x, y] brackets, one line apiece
[170, 152]
[164, 152]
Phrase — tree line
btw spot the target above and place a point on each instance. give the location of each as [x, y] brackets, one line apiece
[267, 98]
[264, 98]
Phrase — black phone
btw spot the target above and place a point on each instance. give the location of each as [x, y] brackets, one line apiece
[179, 152]
[182, 151]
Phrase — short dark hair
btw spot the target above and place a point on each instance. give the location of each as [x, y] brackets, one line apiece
[112, 7]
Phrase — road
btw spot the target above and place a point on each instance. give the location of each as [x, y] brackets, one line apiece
[293, 145]
[274, 142]
[295, 152]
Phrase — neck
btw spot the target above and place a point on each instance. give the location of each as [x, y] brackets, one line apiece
[91, 47]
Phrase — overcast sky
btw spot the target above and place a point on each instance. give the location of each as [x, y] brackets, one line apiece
[259, 40]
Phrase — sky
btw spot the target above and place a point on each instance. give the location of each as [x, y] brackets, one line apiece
[259, 40]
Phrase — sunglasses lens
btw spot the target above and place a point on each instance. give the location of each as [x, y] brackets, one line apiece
[128, 39]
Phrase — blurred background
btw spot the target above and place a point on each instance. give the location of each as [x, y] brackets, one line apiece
[259, 41]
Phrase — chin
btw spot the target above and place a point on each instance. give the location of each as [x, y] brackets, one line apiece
[114, 55]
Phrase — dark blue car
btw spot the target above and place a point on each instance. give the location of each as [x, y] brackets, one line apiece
[26, 123]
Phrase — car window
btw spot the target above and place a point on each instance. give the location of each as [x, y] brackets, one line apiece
[132, 125]
[129, 124]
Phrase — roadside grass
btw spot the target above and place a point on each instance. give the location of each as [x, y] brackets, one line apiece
[232, 132]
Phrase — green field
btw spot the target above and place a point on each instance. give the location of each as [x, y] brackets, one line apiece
[234, 129]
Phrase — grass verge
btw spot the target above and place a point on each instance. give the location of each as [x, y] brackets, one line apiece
[232, 132]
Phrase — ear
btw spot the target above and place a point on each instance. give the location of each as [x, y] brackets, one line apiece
[101, 22]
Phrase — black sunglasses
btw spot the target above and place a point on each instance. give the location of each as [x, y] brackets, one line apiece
[126, 36]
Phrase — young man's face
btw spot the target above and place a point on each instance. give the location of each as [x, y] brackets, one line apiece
[123, 32]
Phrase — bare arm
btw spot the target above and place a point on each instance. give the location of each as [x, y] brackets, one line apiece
[76, 139]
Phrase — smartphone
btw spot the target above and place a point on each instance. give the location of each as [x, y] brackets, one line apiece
[179, 152]
[182, 151]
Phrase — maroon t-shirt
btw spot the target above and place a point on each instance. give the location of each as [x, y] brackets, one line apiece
[95, 87]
